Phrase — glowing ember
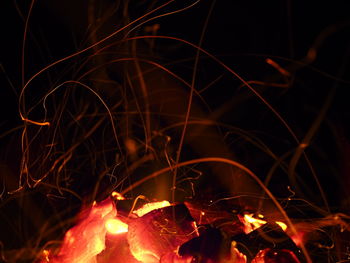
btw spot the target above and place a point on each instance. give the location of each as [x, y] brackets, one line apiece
[150, 207]
[87, 241]
[236, 256]
[161, 232]
[115, 226]
[83, 242]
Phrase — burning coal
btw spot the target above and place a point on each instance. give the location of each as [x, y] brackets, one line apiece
[170, 233]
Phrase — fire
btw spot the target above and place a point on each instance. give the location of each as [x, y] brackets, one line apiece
[282, 225]
[161, 232]
[254, 221]
[86, 241]
[46, 254]
[251, 223]
[116, 226]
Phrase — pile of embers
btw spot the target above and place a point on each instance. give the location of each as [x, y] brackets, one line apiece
[172, 233]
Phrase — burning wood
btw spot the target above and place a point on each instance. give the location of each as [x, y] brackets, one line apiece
[161, 232]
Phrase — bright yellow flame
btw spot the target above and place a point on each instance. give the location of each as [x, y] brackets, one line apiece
[46, 254]
[150, 207]
[251, 223]
[282, 225]
[254, 221]
[115, 226]
[98, 245]
[118, 196]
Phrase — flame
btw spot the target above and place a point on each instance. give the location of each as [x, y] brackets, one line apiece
[282, 225]
[150, 207]
[116, 226]
[251, 223]
[254, 221]
[46, 255]
[118, 196]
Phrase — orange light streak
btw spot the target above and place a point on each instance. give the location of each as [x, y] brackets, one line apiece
[278, 67]
[46, 123]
